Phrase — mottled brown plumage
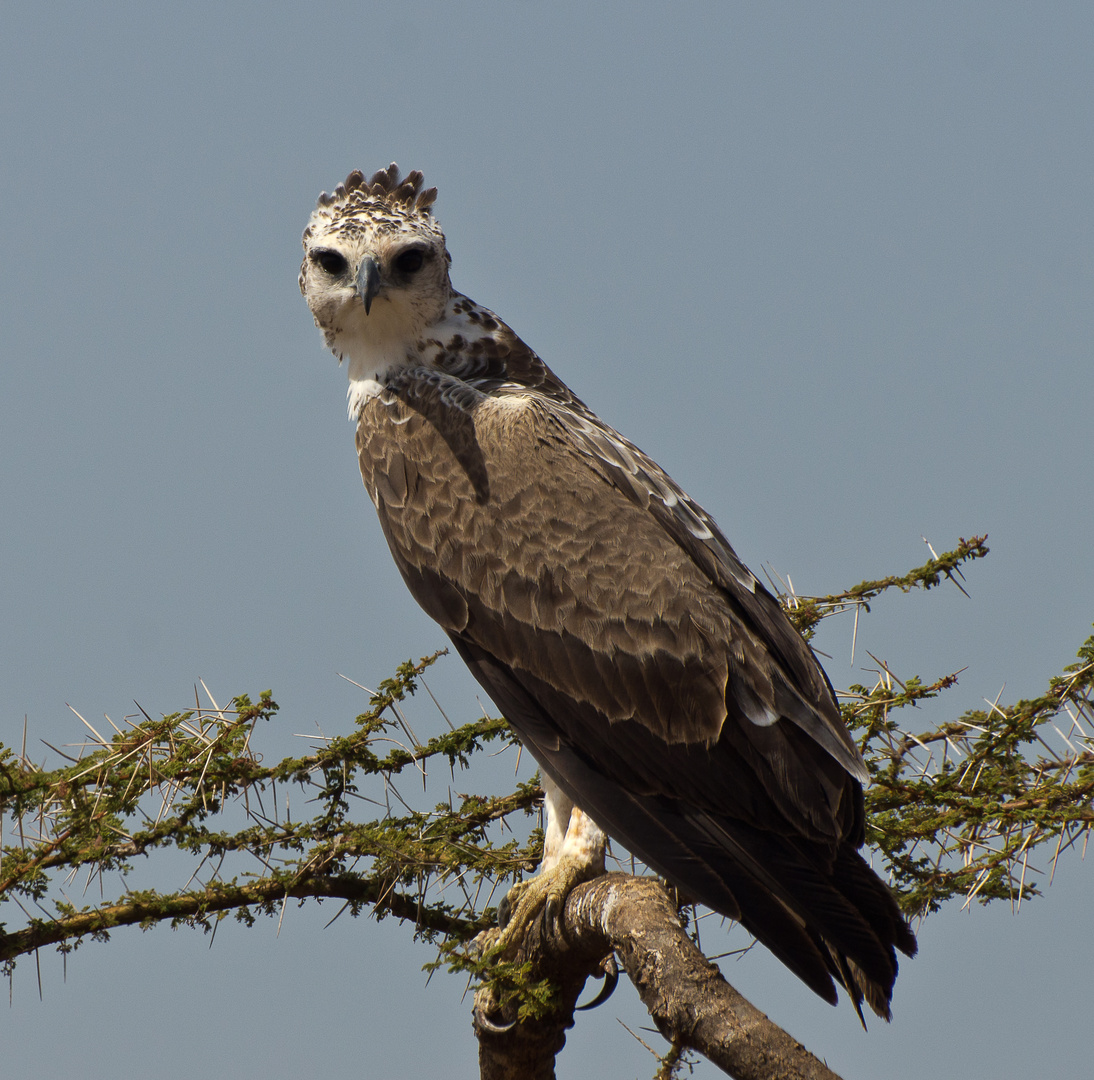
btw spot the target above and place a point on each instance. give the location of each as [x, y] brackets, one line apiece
[654, 679]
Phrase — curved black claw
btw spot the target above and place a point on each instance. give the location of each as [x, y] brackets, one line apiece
[552, 914]
[505, 911]
[611, 981]
[487, 1024]
[482, 943]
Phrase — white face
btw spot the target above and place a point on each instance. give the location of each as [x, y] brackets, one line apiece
[375, 278]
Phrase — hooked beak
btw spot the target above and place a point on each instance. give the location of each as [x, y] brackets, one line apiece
[368, 281]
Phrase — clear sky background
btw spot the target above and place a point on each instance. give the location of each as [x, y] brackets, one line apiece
[830, 264]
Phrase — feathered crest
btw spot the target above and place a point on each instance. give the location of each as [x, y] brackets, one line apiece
[387, 186]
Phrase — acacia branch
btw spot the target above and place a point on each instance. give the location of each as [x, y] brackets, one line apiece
[806, 611]
[196, 906]
[955, 810]
[689, 1000]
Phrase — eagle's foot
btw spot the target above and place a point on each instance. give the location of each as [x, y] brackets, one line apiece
[545, 893]
[573, 852]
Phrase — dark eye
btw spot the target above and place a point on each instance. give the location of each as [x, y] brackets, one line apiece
[331, 262]
[410, 261]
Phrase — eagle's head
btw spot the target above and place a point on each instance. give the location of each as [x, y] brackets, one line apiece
[375, 271]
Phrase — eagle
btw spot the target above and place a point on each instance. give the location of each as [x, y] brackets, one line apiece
[660, 687]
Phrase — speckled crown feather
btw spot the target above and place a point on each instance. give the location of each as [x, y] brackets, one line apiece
[386, 186]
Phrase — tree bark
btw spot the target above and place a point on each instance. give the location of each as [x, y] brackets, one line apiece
[687, 997]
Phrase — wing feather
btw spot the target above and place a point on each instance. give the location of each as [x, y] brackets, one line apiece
[603, 603]
[804, 694]
[646, 669]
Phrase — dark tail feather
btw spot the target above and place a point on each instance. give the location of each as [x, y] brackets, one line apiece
[687, 858]
[847, 913]
[842, 924]
[854, 878]
[824, 922]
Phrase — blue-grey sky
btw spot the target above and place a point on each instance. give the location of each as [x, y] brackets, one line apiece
[829, 263]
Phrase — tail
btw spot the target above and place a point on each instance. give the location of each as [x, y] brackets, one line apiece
[828, 924]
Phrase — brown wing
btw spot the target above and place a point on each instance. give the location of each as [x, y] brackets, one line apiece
[638, 660]
[504, 366]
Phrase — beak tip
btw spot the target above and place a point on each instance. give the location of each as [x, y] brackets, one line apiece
[368, 282]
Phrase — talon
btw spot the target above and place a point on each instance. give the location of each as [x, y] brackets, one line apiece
[482, 943]
[512, 902]
[545, 894]
[488, 1025]
[484, 1002]
[611, 981]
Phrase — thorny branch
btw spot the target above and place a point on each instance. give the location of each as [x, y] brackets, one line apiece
[162, 783]
[962, 809]
[691, 1003]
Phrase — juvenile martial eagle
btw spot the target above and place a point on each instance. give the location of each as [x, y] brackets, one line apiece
[656, 682]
